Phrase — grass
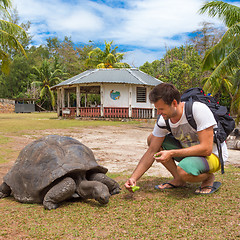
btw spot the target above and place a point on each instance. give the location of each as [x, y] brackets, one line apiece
[19, 124]
[146, 214]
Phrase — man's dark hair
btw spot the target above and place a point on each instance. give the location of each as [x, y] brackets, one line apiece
[165, 91]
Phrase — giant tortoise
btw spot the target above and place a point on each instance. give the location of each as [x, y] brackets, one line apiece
[56, 168]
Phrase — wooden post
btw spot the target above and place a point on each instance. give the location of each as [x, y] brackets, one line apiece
[101, 97]
[63, 98]
[85, 99]
[68, 99]
[78, 103]
[130, 101]
[153, 111]
[58, 101]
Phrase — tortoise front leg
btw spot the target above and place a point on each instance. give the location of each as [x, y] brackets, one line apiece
[112, 185]
[59, 192]
[5, 190]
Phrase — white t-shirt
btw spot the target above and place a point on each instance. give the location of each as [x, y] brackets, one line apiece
[187, 135]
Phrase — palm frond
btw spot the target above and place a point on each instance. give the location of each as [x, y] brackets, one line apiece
[5, 3]
[5, 64]
[227, 84]
[43, 92]
[50, 92]
[101, 65]
[8, 39]
[229, 41]
[227, 65]
[228, 13]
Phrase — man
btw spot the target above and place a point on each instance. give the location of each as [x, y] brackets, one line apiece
[193, 149]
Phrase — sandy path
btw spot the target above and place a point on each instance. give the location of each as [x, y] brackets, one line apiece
[117, 148]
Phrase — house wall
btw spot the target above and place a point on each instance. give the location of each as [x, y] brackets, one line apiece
[136, 104]
[123, 100]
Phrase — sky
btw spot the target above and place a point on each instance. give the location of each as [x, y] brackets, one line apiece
[143, 29]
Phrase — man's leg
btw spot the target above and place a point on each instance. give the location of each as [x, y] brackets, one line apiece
[170, 143]
[177, 180]
[207, 179]
[199, 169]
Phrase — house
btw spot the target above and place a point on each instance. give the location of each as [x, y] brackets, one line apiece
[123, 94]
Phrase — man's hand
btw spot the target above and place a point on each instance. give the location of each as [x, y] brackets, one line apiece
[129, 183]
[163, 156]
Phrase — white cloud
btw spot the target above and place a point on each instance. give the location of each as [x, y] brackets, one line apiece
[152, 23]
[149, 24]
[138, 57]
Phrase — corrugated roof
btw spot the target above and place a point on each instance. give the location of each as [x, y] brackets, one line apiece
[112, 75]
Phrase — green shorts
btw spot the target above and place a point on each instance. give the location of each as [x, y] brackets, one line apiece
[194, 165]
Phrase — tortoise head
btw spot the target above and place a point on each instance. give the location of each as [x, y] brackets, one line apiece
[101, 193]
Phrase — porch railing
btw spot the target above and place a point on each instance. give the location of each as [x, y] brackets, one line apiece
[142, 113]
[109, 112]
[90, 112]
[116, 112]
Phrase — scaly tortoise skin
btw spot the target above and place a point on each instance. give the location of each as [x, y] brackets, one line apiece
[56, 168]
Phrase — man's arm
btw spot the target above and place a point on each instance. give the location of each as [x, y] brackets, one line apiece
[204, 148]
[146, 161]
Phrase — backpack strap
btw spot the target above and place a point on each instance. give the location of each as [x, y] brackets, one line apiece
[189, 113]
[164, 127]
[219, 147]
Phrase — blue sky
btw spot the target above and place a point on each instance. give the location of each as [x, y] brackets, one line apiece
[141, 28]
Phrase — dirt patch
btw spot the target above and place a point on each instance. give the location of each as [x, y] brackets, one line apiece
[118, 148]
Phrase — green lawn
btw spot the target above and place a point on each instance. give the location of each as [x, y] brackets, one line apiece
[146, 214]
[19, 124]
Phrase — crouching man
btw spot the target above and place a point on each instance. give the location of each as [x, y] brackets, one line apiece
[195, 150]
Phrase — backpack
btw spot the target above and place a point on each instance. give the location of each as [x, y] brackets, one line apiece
[225, 123]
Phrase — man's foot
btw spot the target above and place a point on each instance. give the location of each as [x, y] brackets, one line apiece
[213, 188]
[171, 185]
[206, 185]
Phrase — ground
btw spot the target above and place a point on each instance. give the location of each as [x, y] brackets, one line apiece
[117, 148]
[145, 214]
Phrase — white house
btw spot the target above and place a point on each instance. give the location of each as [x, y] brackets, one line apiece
[123, 93]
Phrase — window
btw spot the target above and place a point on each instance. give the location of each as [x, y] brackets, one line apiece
[141, 94]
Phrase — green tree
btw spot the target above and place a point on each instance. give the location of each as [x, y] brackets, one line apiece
[72, 57]
[46, 76]
[16, 83]
[8, 35]
[108, 58]
[180, 66]
[224, 57]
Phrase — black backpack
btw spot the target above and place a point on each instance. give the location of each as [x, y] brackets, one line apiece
[225, 123]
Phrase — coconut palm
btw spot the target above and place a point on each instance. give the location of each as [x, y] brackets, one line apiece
[46, 76]
[108, 58]
[224, 57]
[8, 31]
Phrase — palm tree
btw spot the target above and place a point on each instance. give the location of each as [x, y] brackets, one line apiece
[8, 31]
[46, 76]
[224, 57]
[109, 58]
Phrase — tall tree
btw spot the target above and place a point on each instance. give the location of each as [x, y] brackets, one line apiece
[206, 37]
[8, 33]
[72, 57]
[224, 57]
[108, 58]
[16, 83]
[46, 76]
